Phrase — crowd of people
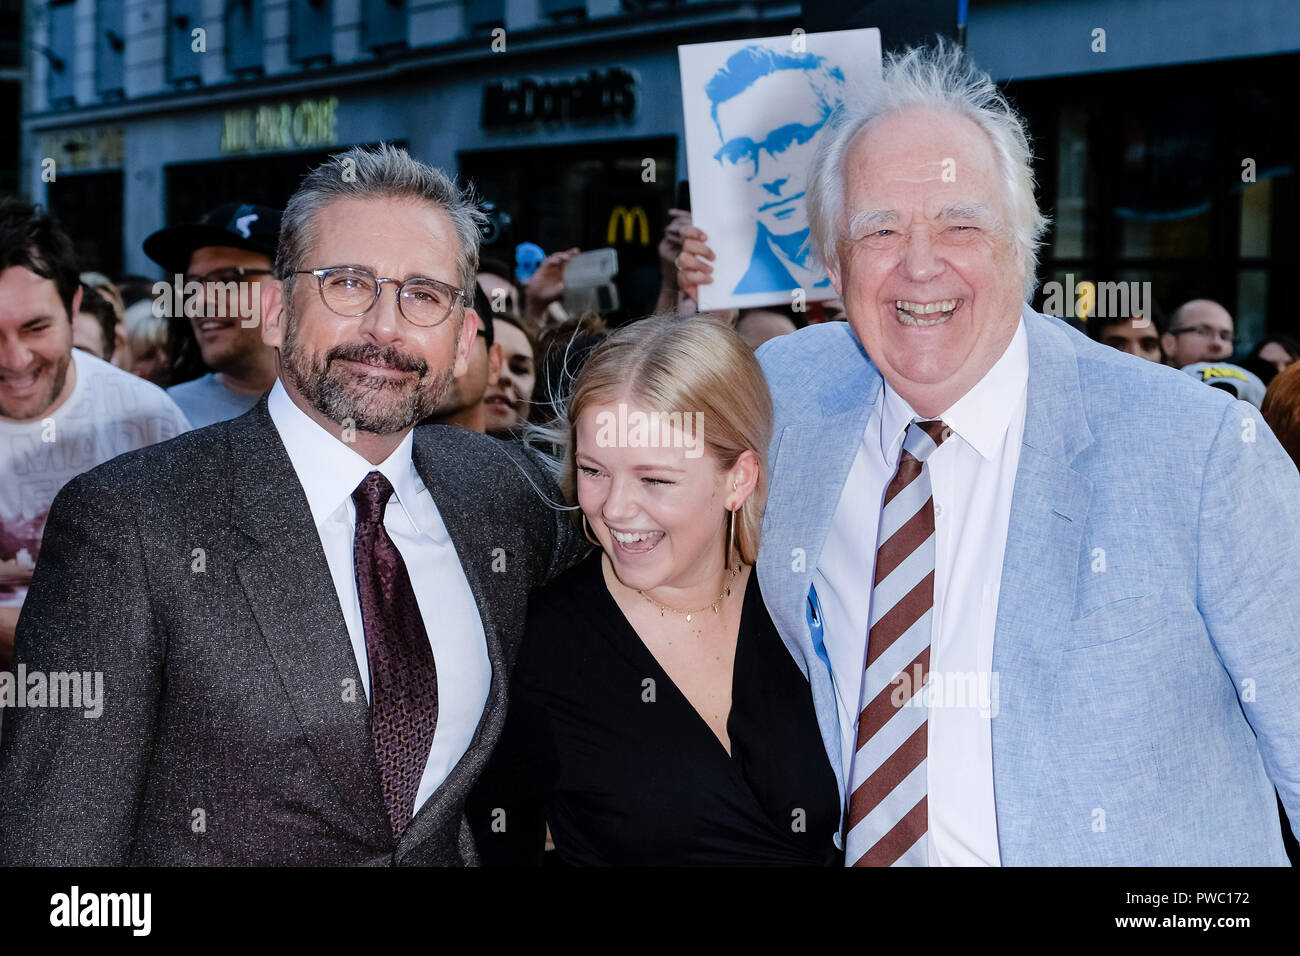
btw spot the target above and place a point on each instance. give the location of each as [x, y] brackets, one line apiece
[692, 590]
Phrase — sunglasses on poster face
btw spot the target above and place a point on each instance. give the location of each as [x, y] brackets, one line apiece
[744, 151]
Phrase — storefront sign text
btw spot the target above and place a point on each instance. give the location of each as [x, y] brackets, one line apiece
[78, 150]
[281, 126]
[601, 94]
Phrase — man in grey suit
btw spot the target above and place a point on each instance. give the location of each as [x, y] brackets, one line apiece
[305, 616]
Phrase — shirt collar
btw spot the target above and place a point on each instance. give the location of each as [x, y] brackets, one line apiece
[895, 415]
[330, 471]
[981, 417]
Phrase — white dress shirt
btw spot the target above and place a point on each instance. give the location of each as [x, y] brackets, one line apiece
[972, 476]
[329, 472]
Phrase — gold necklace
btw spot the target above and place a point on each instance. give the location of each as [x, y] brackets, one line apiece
[726, 593]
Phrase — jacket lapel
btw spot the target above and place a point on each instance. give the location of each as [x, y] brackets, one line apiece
[809, 464]
[465, 527]
[287, 582]
[1040, 569]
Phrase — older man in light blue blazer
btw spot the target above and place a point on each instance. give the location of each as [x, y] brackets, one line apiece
[1047, 595]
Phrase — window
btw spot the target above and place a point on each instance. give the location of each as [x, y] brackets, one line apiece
[485, 14]
[564, 9]
[110, 42]
[184, 17]
[383, 24]
[61, 51]
[1181, 176]
[11, 33]
[311, 31]
[244, 36]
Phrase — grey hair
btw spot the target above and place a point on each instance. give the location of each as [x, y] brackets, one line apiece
[385, 172]
[938, 77]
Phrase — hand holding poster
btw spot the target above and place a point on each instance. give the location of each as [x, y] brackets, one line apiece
[754, 113]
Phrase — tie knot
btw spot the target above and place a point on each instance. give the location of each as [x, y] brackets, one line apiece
[371, 497]
[924, 437]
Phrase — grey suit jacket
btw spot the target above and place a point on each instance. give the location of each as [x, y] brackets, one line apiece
[235, 730]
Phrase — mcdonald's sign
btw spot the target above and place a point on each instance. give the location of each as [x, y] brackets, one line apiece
[630, 218]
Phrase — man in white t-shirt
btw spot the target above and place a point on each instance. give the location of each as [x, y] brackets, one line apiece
[62, 411]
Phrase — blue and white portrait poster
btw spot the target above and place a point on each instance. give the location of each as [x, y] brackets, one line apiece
[755, 111]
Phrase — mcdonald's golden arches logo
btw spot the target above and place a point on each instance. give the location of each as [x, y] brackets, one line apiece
[630, 218]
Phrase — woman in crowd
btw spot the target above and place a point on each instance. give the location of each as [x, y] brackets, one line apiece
[1275, 351]
[1281, 409]
[507, 398]
[656, 716]
[147, 338]
[95, 327]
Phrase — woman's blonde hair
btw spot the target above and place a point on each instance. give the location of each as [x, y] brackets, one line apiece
[144, 330]
[671, 363]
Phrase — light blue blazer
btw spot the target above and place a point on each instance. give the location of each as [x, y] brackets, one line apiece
[1147, 641]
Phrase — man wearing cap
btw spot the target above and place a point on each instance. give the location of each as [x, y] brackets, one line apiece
[1233, 379]
[228, 252]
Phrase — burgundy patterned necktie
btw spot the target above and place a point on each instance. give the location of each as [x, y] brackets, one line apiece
[889, 786]
[403, 679]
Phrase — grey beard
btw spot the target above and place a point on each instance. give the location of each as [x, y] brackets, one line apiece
[387, 407]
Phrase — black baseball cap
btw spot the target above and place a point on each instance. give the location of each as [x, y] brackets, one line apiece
[239, 225]
[484, 310]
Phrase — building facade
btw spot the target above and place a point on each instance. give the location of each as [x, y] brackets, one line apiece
[1164, 151]
[565, 115]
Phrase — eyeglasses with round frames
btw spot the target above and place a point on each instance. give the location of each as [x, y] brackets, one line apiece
[352, 291]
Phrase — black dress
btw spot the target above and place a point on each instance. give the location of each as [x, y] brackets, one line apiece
[601, 744]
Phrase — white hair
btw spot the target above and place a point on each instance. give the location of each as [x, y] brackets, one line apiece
[939, 78]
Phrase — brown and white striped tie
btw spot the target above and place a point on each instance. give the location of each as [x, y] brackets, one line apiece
[887, 820]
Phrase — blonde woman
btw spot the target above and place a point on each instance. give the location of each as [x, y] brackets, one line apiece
[656, 716]
[146, 336]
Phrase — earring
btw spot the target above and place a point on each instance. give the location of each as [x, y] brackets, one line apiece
[731, 537]
[587, 532]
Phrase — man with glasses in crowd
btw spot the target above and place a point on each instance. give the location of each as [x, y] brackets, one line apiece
[228, 253]
[1199, 331]
[306, 615]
